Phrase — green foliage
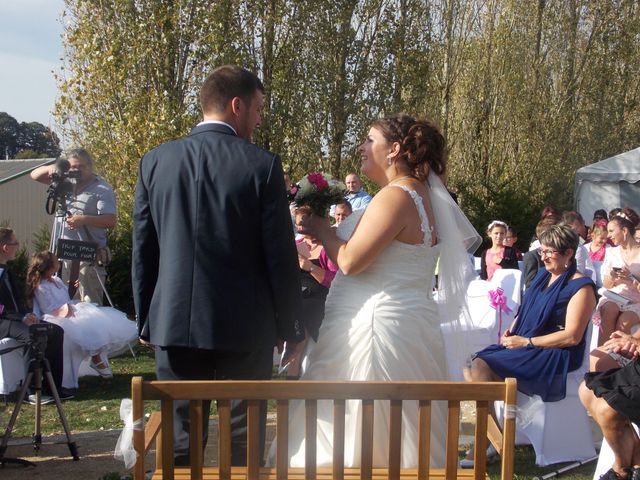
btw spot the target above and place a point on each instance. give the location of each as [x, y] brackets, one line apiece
[525, 93]
[26, 140]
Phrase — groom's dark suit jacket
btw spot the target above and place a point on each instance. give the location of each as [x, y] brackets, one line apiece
[214, 259]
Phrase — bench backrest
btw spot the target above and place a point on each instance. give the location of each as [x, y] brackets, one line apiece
[283, 391]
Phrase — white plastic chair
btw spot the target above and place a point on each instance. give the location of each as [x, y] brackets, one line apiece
[13, 366]
[481, 329]
[559, 431]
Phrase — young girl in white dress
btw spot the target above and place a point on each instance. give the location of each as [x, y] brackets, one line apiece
[96, 330]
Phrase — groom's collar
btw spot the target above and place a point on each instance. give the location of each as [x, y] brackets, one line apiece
[216, 123]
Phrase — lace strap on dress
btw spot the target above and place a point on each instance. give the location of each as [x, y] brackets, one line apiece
[424, 220]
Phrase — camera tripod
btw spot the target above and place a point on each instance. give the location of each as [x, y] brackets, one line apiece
[38, 366]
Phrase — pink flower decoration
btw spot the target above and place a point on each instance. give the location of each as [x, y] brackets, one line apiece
[318, 181]
[498, 301]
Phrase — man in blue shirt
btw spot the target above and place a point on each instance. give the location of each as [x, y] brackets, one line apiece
[357, 197]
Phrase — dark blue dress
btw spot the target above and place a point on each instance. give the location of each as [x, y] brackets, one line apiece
[541, 371]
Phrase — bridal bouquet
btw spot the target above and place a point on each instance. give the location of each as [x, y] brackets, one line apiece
[318, 191]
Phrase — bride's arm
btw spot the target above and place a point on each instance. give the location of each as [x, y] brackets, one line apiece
[382, 222]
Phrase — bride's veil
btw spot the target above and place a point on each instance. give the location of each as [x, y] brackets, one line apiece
[456, 240]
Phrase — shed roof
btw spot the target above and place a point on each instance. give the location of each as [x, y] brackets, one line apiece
[10, 169]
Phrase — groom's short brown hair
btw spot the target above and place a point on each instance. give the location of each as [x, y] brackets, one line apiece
[224, 84]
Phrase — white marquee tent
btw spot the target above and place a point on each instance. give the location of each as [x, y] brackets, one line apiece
[610, 183]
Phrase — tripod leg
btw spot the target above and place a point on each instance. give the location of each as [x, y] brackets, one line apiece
[11, 424]
[73, 448]
[37, 434]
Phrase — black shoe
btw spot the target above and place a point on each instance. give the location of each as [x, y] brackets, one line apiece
[612, 475]
[65, 394]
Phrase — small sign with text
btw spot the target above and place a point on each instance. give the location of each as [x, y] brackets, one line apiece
[76, 250]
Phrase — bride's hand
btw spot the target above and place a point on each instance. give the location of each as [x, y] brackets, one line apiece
[312, 225]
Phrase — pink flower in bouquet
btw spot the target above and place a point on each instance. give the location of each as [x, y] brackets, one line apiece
[318, 181]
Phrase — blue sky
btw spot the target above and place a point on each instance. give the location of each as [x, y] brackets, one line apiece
[30, 48]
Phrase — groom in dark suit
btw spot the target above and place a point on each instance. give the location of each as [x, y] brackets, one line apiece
[215, 272]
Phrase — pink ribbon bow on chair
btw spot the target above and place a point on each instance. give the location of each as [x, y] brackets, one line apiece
[498, 301]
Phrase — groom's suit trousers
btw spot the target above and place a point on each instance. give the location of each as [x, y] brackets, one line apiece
[179, 363]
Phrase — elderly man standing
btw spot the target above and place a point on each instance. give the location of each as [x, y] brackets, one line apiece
[216, 281]
[91, 211]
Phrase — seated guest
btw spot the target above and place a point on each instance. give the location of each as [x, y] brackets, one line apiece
[613, 212]
[13, 304]
[510, 240]
[95, 329]
[498, 255]
[546, 339]
[532, 260]
[597, 247]
[621, 274]
[342, 210]
[612, 397]
[583, 261]
[600, 215]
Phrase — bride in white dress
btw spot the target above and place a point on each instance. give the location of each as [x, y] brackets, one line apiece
[381, 321]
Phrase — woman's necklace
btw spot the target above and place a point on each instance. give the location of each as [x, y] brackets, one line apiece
[398, 179]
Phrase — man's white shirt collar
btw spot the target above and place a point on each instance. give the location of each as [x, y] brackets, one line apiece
[219, 122]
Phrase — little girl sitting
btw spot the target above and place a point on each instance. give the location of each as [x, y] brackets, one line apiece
[96, 330]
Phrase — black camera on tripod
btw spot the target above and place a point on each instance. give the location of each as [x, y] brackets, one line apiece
[62, 183]
[38, 337]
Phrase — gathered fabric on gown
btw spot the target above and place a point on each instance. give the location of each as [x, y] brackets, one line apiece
[381, 324]
[94, 329]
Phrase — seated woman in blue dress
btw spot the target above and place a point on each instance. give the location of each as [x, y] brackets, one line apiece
[546, 340]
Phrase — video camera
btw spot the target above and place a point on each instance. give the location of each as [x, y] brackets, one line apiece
[38, 336]
[62, 183]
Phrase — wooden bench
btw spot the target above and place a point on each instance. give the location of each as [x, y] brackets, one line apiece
[160, 427]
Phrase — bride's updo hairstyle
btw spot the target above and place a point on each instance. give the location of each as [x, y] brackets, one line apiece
[422, 146]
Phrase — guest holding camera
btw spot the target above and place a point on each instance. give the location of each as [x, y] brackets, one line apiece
[91, 211]
[13, 303]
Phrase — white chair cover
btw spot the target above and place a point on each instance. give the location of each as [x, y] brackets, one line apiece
[482, 327]
[559, 431]
[13, 367]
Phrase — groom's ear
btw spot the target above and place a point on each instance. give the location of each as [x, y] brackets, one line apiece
[236, 105]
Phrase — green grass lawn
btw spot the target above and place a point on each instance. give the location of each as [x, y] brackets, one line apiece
[97, 402]
[97, 407]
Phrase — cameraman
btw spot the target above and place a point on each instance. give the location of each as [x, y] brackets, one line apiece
[91, 210]
[19, 330]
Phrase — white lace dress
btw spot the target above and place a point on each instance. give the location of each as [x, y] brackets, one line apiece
[94, 329]
[381, 324]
